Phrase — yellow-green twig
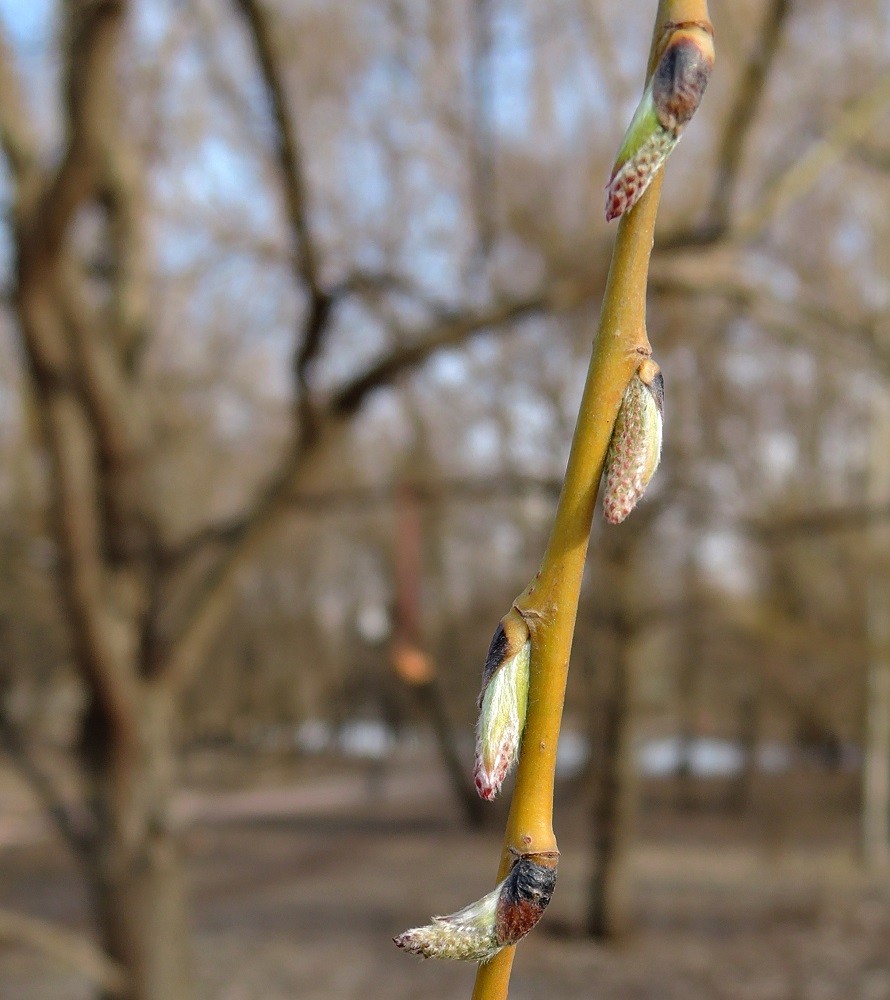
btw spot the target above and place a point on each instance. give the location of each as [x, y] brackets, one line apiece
[549, 604]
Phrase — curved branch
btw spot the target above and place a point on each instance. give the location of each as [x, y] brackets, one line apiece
[16, 135]
[740, 120]
[743, 114]
[853, 125]
[189, 641]
[94, 28]
[287, 138]
[449, 333]
[66, 818]
[548, 605]
[289, 156]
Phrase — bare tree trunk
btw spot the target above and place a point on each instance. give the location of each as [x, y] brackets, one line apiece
[876, 763]
[426, 687]
[434, 705]
[609, 915]
[741, 790]
[95, 430]
[687, 687]
[136, 870]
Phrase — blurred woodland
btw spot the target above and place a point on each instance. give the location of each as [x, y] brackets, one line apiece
[297, 304]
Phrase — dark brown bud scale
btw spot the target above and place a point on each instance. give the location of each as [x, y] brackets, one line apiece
[497, 653]
[680, 79]
[509, 638]
[525, 895]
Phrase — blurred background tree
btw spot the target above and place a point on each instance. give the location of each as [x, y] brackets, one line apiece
[263, 262]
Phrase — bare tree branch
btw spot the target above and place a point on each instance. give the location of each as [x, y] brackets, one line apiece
[289, 152]
[449, 333]
[127, 213]
[861, 337]
[818, 522]
[743, 114]
[290, 162]
[189, 642]
[481, 123]
[16, 136]
[740, 120]
[854, 124]
[94, 28]
[69, 822]
[332, 501]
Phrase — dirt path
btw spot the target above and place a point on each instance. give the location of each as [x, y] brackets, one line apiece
[298, 890]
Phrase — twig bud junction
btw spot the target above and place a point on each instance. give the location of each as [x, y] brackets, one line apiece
[502, 917]
[671, 98]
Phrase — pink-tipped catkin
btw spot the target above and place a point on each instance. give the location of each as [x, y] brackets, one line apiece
[502, 705]
[628, 182]
[489, 774]
[671, 98]
[635, 448]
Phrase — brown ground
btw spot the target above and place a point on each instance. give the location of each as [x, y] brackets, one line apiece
[299, 885]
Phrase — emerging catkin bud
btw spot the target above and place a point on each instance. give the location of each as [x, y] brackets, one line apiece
[671, 98]
[469, 935]
[503, 917]
[635, 448]
[502, 704]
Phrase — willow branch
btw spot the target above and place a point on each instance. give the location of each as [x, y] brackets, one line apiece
[549, 604]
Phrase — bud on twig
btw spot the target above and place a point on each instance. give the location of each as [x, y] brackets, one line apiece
[502, 704]
[503, 917]
[671, 98]
[635, 448]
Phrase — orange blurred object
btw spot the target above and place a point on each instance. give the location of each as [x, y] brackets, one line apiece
[412, 665]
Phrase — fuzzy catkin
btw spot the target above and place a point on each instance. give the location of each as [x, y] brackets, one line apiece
[635, 449]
